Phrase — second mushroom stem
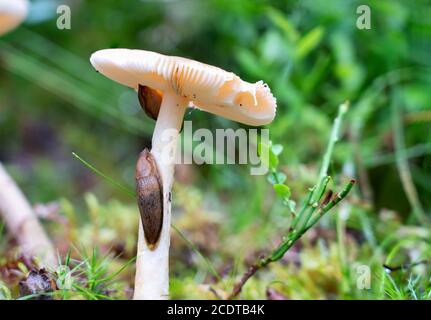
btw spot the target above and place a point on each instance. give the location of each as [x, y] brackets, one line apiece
[23, 224]
[152, 264]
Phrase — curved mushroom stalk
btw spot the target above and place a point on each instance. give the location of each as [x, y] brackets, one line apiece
[23, 224]
[152, 262]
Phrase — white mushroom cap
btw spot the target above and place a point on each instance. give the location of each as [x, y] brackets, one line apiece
[205, 87]
[12, 13]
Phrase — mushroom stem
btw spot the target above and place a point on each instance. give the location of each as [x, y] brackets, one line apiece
[23, 224]
[152, 265]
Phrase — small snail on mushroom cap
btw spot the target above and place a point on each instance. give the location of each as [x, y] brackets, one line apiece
[166, 87]
[12, 13]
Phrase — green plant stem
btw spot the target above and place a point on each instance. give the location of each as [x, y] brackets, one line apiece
[295, 221]
[332, 203]
[313, 205]
[342, 109]
[285, 245]
[310, 213]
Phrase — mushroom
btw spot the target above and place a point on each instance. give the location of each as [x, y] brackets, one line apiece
[12, 13]
[167, 86]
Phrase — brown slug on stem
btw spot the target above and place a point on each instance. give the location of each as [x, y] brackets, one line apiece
[150, 101]
[149, 190]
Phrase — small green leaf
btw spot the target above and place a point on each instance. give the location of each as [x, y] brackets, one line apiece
[282, 190]
[273, 160]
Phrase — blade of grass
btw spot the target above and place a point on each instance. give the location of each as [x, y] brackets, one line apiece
[402, 163]
[210, 267]
[329, 149]
[116, 273]
[104, 176]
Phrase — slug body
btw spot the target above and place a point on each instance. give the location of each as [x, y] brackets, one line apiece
[149, 190]
[150, 100]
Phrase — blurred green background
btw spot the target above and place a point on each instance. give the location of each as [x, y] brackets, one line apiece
[313, 57]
